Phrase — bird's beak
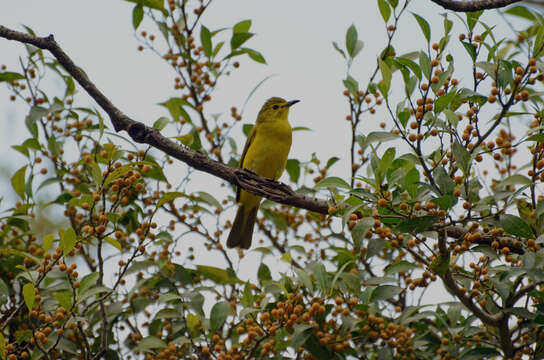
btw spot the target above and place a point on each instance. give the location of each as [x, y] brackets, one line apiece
[292, 102]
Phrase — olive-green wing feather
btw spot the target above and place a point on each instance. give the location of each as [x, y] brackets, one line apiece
[249, 141]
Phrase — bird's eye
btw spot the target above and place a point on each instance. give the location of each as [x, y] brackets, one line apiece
[275, 107]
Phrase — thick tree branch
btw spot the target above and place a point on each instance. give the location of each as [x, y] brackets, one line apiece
[475, 5]
[141, 133]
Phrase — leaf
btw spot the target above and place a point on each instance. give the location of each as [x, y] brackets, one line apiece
[113, 242]
[360, 230]
[64, 298]
[443, 101]
[29, 294]
[479, 353]
[161, 123]
[384, 292]
[332, 182]
[386, 77]
[152, 4]
[417, 224]
[293, 169]
[320, 274]
[150, 342]
[401, 266]
[515, 226]
[301, 333]
[18, 182]
[440, 265]
[470, 49]
[47, 242]
[137, 16]
[238, 39]
[220, 276]
[186, 139]
[462, 157]
[87, 282]
[305, 278]
[254, 55]
[335, 45]
[352, 85]
[424, 25]
[263, 273]
[10, 76]
[242, 27]
[520, 11]
[206, 40]
[445, 183]
[68, 241]
[218, 315]
[167, 197]
[378, 136]
[351, 40]
[425, 64]
[208, 199]
[385, 10]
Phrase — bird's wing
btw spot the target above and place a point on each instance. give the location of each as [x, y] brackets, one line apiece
[249, 141]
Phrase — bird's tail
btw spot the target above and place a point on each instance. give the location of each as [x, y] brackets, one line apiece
[242, 228]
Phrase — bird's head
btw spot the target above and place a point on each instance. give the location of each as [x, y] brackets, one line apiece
[275, 108]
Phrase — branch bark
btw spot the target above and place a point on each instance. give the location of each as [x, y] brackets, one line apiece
[476, 5]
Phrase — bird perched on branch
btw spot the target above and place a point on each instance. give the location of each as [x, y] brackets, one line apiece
[265, 153]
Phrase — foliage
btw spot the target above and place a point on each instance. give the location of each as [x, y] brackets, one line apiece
[455, 200]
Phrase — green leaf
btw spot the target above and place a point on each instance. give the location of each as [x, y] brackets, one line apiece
[470, 49]
[161, 123]
[351, 40]
[440, 265]
[480, 353]
[263, 273]
[516, 226]
[287, 258]
[186, 139]
[385, 10]
[320, 275]
[335, 45]
[386, 77]
[238, 39]
[137, 16]
[10, 76]
[47, 242]
[401, 266]
[18, 182]
[113, 242]
[443, 101]
[520, 11]
[332, 182]
[150, 342]
[208, 199]
[462, 157]
[352, 85]
[425, 64]
[218, 315]
[384, 292]
[305, 278]
[360, 230]
[378, 136]
[68, 240]
[206, 40]
[301, 333]
[167, 197]
[242, 27]
[472, 18]
[152, 4]
[445, 183]
[254, 55]
[29, 294]
[417, 224]
[87, 282]
[293, 169]
[220, 276]
[424, 25]
[175, 107]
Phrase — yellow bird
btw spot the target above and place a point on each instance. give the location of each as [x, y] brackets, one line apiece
[265, 153]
